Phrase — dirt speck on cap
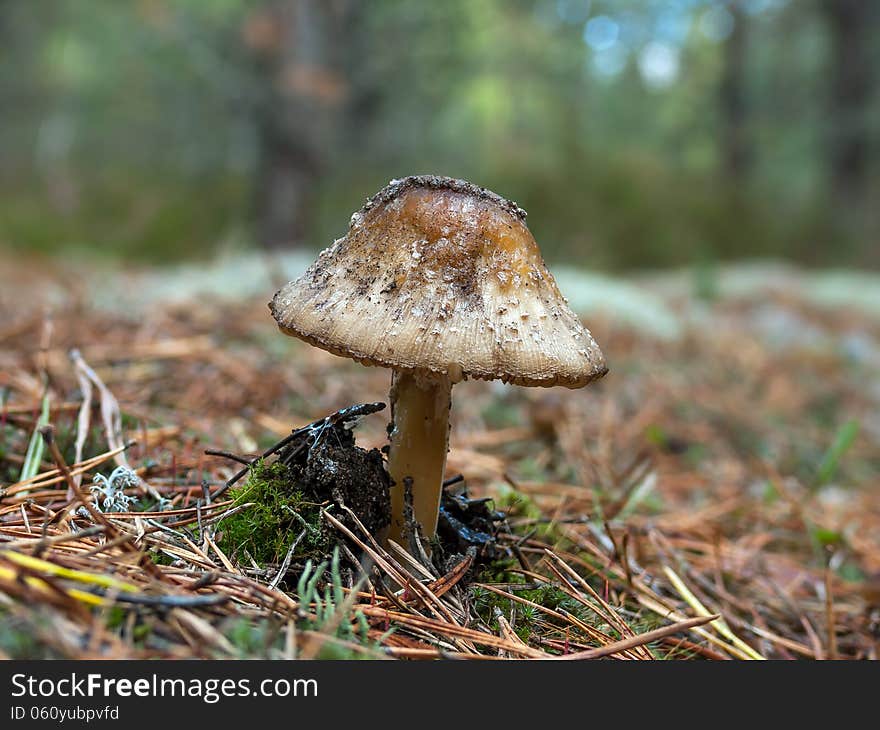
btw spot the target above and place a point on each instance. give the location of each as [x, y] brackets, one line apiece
[439, 275]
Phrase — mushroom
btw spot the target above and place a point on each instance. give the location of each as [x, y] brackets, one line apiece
[439, 280]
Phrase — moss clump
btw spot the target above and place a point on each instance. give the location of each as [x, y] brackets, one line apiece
[324, 469]
[278, 514]
[160, 558]
[22, 632]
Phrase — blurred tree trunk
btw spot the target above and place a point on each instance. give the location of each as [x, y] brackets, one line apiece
[299, 48]
[850, 25]
[736, 152]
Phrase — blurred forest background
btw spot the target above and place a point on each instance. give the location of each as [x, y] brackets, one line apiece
[637, 133]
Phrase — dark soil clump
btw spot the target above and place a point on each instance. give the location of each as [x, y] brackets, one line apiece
[322, 468]
[468, 525]
[335, 469]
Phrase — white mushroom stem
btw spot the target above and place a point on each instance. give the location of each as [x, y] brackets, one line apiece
[419, 442]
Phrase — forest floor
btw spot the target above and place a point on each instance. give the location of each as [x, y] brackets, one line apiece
[716, 495]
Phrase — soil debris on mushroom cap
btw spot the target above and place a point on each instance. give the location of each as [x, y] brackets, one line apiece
[437, 275]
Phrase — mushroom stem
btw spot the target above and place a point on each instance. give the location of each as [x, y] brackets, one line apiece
[419, 442]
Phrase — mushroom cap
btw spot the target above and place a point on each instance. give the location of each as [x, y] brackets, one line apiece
[441, 277]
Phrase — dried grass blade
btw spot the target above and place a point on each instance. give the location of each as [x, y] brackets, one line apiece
[444, 628]
[397, 572]
[36, 564]
[506, 629]
[719, 624]
[110, 413]
[565, 617]
[83, 420]
[448, 581]
[640, 639]
[660, 609]
[54, 476]
[607, 611]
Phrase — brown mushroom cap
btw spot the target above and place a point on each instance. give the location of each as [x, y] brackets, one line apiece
[437, 275]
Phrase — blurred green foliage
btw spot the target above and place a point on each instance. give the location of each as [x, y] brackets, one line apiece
[133, 129]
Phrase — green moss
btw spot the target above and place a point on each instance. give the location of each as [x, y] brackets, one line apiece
[20, 635]
[525, 617]
[252, 638]
[277, 514]
[160, 558]
[516, 504]
[115, 618]
[337, 652]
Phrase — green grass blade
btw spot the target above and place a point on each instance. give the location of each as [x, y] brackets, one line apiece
[36, 445]
[843, 440]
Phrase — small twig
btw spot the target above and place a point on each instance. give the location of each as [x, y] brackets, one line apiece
[48, 434]
[268, 452]
[343, 416]
[121, 539]
[285, 564]
[829, 616]
[624, 558]
[228, 455]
